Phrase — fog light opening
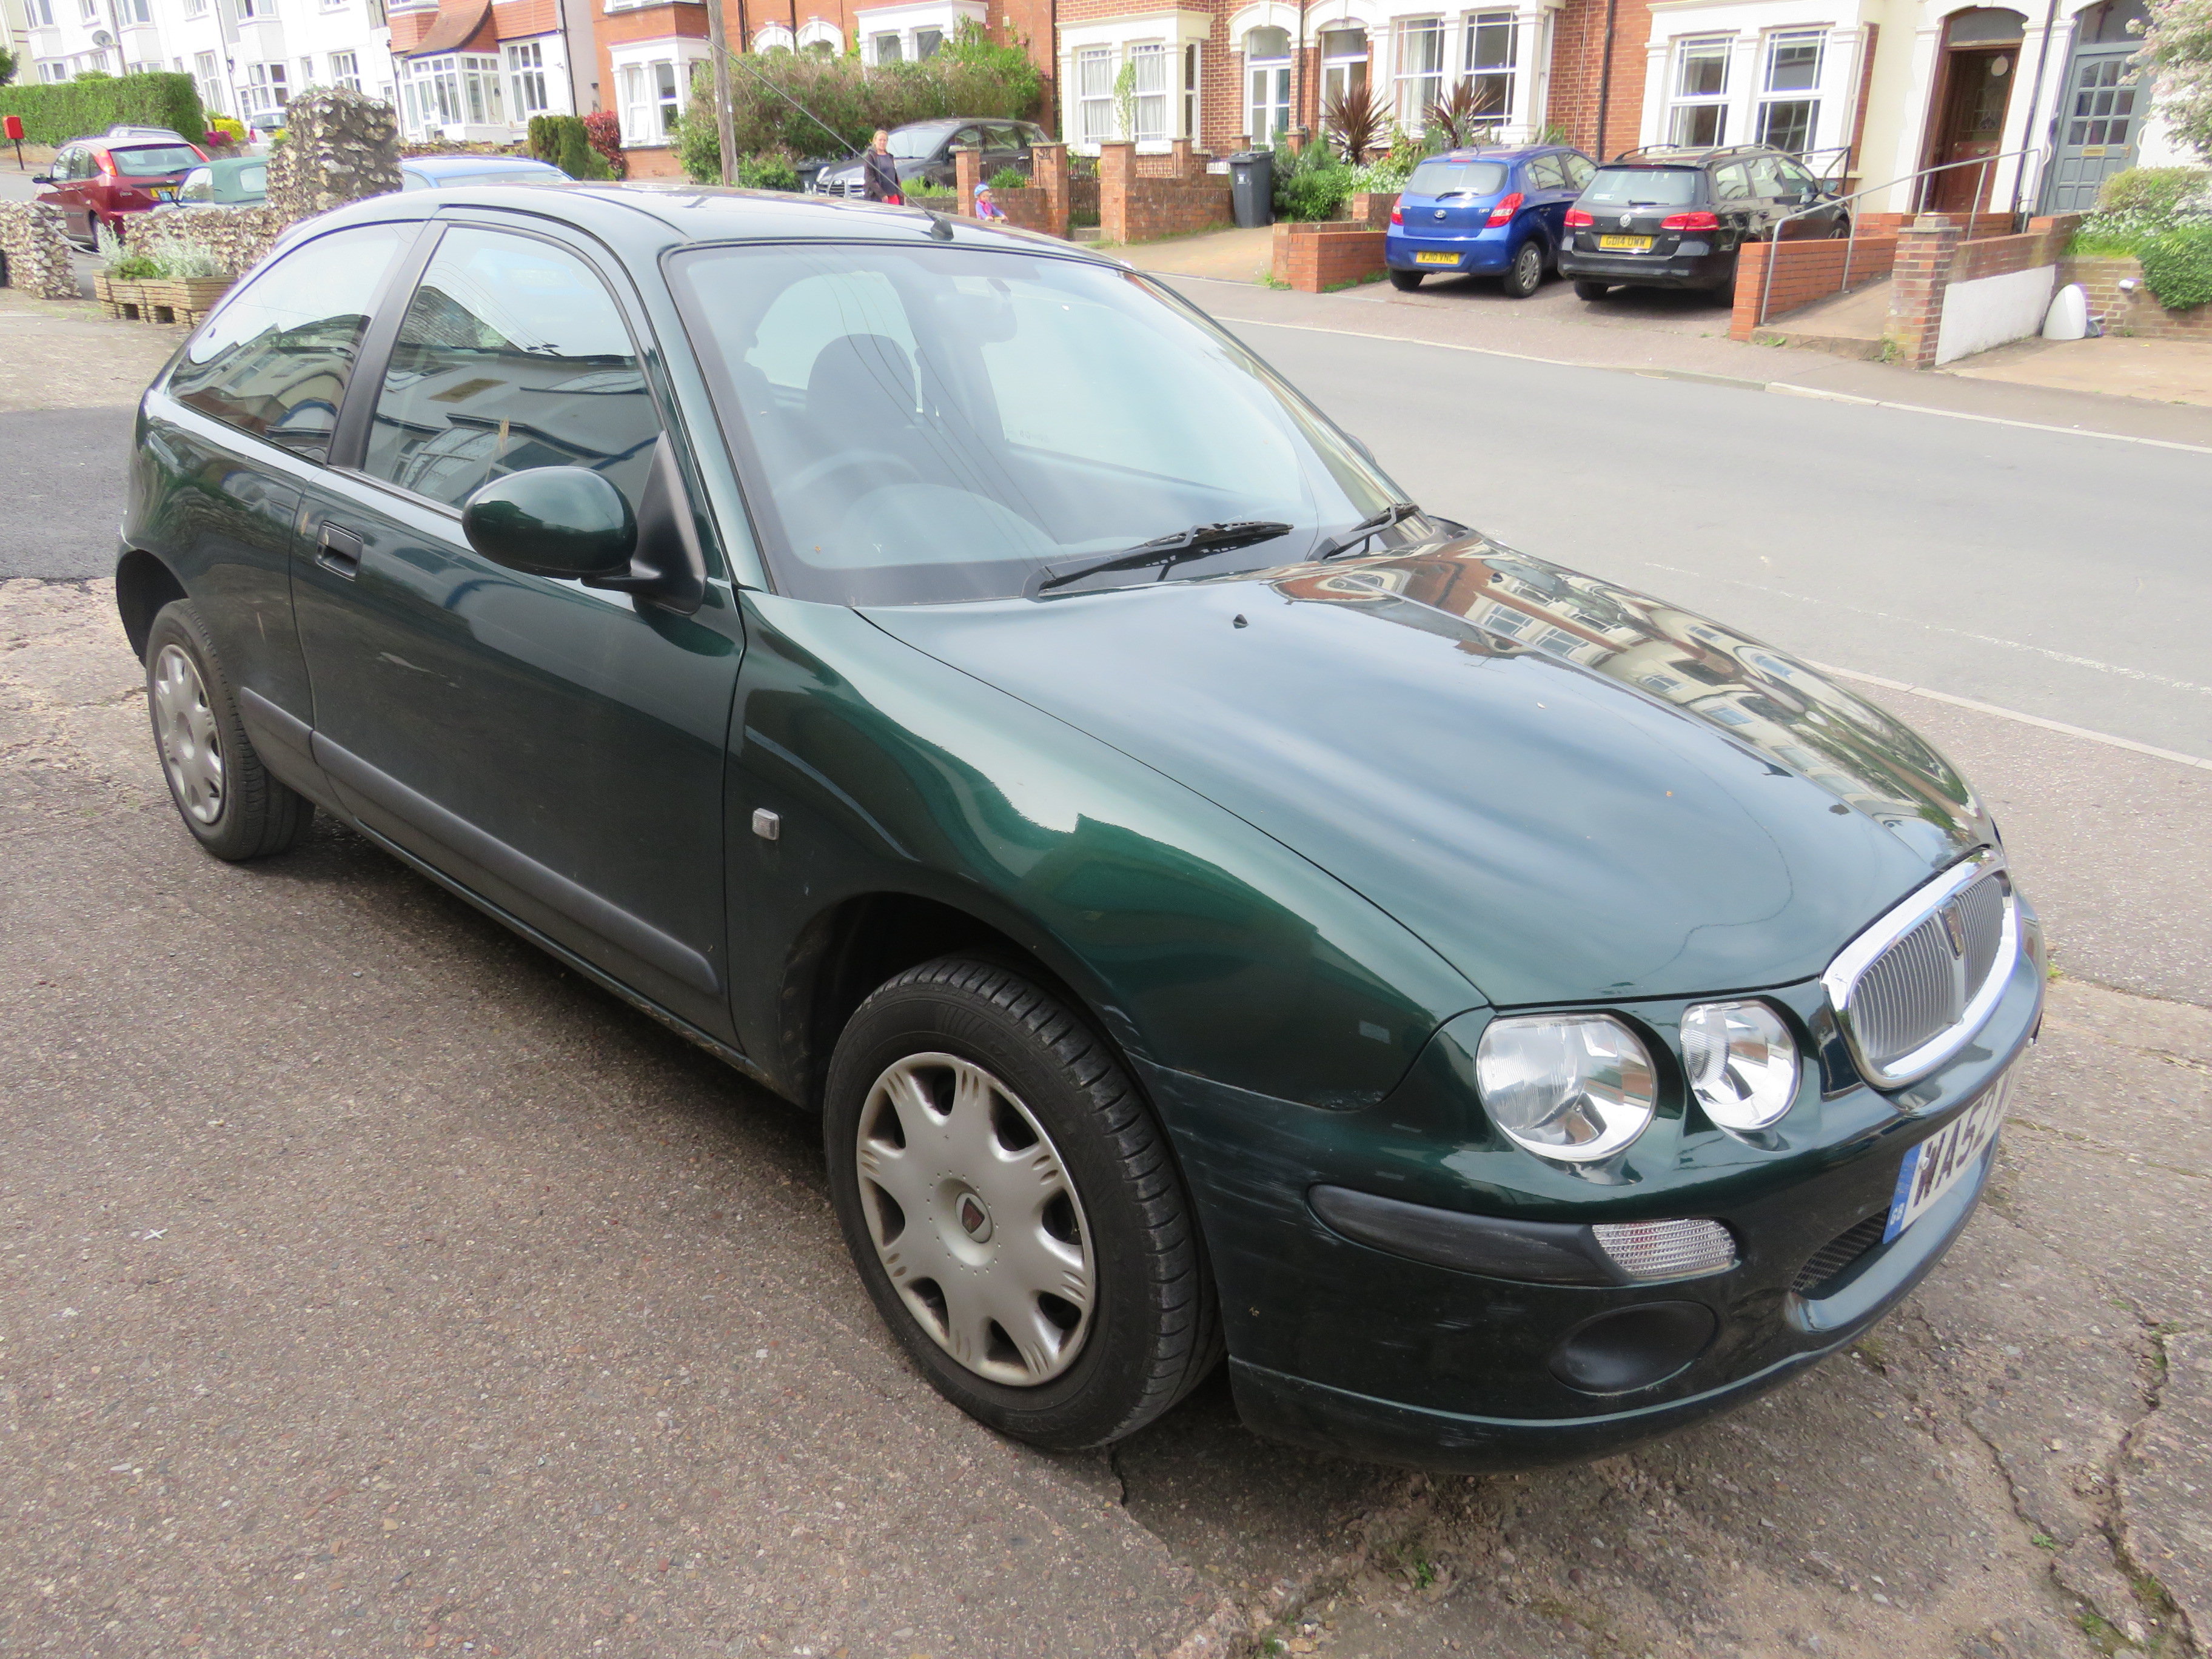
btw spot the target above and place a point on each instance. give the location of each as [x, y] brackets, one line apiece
[1633, 1348]
[1653, 1250]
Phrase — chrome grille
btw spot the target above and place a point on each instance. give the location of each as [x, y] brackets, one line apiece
[1914, 986]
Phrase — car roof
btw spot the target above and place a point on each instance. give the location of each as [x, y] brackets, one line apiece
[1667, 155]
[641, 221]
[1502, 153]
[435, 165]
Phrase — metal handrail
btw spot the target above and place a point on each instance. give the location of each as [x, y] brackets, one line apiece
[1920, 195]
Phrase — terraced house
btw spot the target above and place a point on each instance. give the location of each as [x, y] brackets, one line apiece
[478, 70]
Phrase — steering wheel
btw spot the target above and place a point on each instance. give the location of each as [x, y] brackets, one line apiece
[844, 460]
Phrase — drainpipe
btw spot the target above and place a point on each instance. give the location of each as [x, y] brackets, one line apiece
[2035, 97]
[1298, 74]
[1604, 74]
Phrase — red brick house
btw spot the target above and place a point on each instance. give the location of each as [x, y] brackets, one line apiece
[478, 70]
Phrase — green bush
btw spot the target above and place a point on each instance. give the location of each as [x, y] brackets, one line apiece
[1010, 179]
[56, 111]
[2178, 267]
[2164, 192]
[564, 141]
[766, 173]
[845, 103]
[1311, 184]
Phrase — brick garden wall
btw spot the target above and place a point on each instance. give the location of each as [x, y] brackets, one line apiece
[1788, 275]
[1142, 207]
[1933, 252]
[1323, 254]
[2137, 312]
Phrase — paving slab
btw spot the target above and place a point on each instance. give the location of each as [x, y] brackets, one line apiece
[2162, 371]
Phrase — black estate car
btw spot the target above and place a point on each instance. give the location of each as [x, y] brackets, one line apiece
[923, 150]
[1662, 218]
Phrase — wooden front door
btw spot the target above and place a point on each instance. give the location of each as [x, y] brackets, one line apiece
[1979, 87]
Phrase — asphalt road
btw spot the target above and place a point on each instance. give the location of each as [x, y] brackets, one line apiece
[2063, 575]
[369, 1285]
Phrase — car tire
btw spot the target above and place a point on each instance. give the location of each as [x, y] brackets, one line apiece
[1591, 291]
[229, 801]
[1526, 274]
[1042, 1166]
[1840, 231]
[1406, 280]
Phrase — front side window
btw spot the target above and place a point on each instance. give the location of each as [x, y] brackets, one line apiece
[1492, 54]
[1417, 52]
[1698, 114]
[1150, 110]
[1268, 82]
[1790, 89]
[273, 362]
[934, 424]
[1094, 94]
[513, 356]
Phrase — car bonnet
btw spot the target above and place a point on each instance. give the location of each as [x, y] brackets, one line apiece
[1569, 790]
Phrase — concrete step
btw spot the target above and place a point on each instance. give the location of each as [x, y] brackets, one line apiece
[1843, 326]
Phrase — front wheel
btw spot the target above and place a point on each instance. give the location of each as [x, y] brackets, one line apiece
[1591, 291]
[1013, 1209]
[1405, 281]
[1526, 274]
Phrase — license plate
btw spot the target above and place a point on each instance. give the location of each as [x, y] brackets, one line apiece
[163, 192]
[1436, 259]
[1624, 244]
[1945, 1158]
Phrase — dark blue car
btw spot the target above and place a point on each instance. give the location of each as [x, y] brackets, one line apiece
[1485, 213]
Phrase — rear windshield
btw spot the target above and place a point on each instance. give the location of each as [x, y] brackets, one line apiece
[1642, 186]
[143, 161]
[1457, 177]
[916, 144]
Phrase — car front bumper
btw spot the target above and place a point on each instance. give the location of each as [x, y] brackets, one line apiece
[1485, 252]
[1683, 267]
[1340, 1346]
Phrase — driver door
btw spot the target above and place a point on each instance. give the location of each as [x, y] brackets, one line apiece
[553, 749]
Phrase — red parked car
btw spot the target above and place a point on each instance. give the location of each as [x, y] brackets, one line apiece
[97, 181]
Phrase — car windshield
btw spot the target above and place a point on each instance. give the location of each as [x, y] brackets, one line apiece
[916, 144]
[928, 424]
[1455, 178]
[144, 160]
[1641, 187]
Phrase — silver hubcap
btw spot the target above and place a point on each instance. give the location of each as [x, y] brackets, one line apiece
[189, 748]
[974, 1218]
[1532, 263]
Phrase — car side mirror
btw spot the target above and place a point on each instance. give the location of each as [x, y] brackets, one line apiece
[552, 521]
[42, 179]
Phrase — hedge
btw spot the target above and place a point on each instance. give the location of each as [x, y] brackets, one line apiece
[566, 142]
[56, 111]
[2178, 267]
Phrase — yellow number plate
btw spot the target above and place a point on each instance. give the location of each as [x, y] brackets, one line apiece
[1436, 259]
[1626, 244]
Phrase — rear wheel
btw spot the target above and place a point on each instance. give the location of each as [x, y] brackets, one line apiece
[1012, 1207]
[1526, 274]
[1405, 281]
[1591, 291]
[225, 796]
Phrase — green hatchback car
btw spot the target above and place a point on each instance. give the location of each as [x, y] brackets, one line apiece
[1212, 904]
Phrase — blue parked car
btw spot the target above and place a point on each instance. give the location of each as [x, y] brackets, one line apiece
[1485, 213]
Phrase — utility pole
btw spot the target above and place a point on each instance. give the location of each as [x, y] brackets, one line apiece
[726, 124]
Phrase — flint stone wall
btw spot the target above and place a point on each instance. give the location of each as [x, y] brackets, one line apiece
[339, 146]
[238, 236]
[35, 252]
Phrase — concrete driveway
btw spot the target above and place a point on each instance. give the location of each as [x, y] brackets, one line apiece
[373, 1285]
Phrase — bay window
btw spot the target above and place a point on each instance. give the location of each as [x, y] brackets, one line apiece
[1094, 94]
[1417, 58]
[526, 74]
[1790, 89]
[1150, 110]
[1697, 114]
[1267, 83]
[1492, 52]
[651, 97]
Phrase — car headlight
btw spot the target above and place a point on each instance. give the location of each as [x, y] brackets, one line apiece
[1572, 1086]
[1741, 1060]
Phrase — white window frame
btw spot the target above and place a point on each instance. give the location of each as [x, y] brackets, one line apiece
[267, 88]
[1268, 113]
[345, 70]
[42, 14]
[773, 37]
[1770, 98]
[876, 42]
[928, 41]
[1507, 71]
[1193, 82]
[1338, 67]
[1415, 84]
[1094, 94]
[1150, 110]
[527, 79]
[814, 33]
[638, 102]
[1684, 107]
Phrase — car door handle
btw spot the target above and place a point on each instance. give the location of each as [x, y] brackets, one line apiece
[337, 549]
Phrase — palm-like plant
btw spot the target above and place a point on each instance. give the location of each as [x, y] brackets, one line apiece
[1462, 117]
[1356, 118]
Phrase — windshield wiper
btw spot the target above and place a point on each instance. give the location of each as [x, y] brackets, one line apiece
[1165, 551]
[1366, 530]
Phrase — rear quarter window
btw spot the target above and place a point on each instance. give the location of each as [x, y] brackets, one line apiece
[1643, 186]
